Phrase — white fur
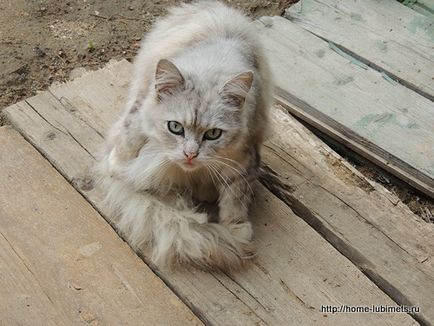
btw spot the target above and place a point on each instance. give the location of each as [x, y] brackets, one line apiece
[175, 231]
[147, 188]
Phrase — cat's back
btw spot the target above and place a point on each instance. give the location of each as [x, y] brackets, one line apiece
[202, 20]
[185, 26]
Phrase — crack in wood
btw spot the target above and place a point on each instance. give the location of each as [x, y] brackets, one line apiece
[73, 111]
[43, 118]
[365, 220]
[240, 299]
[291, 293]
[27, 267]
[80, 144]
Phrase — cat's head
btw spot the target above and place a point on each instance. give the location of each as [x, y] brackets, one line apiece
[199, 123]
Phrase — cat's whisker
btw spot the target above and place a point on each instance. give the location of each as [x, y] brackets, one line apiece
[150, 171]
[232, 161]
[152, 174]
[239, 173]
[212, 169]
[210, 174]
[229, 187]
[159, 169]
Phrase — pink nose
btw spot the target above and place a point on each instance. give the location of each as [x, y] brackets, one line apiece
[190, 155]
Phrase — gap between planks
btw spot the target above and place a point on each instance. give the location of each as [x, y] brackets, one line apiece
[388, 124]
[385, 35]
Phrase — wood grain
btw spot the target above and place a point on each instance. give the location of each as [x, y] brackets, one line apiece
[384, 34]
[364, 221]
[61, 263]
[296, 270]
[387, 123]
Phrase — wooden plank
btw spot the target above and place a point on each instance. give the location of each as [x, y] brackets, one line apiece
[428, 5]
[22, 298]
[365, 222]
[61, 264]
[281, 287]
[425, 7]
[385, 34]
[387, 123]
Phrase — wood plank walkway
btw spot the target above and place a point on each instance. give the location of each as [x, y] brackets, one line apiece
[364, 221]
[60, 262]
[384, 34]
[296, 270]
[364, 109]
[325, 234]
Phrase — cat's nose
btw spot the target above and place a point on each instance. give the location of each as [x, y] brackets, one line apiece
[190, 155]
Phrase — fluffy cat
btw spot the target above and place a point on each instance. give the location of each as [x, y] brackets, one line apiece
[179, 166]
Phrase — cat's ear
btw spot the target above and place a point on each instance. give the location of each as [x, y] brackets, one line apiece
[168, 78]
[234, 92]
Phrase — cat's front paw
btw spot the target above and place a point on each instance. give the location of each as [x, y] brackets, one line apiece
[243, 231]
[242, 235]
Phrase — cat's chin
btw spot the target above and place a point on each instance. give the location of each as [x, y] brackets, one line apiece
[189, 166]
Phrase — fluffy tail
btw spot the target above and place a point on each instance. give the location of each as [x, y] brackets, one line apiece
[185, 236]
[173, 232]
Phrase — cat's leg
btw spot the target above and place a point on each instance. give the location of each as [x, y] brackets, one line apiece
[235, 199]
[236, 190]
[236, 195]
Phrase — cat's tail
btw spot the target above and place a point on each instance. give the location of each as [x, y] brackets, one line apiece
[173, 235]
[182, 235]
[171, 232]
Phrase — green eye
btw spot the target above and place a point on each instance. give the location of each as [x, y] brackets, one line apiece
[213, 134]
[175, 127]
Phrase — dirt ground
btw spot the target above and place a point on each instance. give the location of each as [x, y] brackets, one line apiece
[42, 41]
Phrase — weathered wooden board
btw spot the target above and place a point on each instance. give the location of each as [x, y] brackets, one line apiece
[428, 5]
[424, 7]
[61, 263]
[296, 270]
[365, 222]
[23, 299]
[389, 124]
[385, 34]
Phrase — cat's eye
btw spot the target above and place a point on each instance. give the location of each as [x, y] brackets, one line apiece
[213, 134]
[175, 127]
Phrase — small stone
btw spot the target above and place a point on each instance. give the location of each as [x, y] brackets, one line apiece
[39, 52]
[74, 286]
[87, 316]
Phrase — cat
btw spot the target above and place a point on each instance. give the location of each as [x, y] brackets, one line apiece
[179, 166]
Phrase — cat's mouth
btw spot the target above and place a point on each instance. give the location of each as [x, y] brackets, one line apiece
[189, 165]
